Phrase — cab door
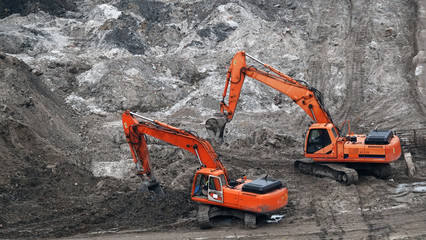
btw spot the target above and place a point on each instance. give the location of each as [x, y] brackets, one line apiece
[215, 191]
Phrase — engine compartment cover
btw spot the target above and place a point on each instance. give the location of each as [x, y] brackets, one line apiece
[380, 137]
[262, 185]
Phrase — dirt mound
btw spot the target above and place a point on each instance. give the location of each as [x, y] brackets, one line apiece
[43, 193]
[35, 124]
[64, 200]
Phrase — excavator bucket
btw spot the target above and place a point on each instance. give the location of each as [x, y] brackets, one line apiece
[151, 186]
[156, 188]
[215, 128]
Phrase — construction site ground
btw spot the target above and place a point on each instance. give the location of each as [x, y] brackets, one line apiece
[319, 208]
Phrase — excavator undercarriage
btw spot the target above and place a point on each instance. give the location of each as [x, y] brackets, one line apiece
[346, 173]
[206, 212]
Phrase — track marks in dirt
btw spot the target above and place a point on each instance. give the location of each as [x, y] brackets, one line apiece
[342, 212]
[369, 216]
[334, 218]
[318, 219]
[359, 34]
[327, 216]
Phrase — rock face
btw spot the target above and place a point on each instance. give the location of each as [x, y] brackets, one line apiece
[69, 69]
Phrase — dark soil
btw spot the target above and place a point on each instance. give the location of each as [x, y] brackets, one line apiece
[25, 7]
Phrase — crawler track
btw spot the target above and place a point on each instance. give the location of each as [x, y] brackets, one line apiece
[379, 170]
[335, 171]
[205, 212]
[203, 216]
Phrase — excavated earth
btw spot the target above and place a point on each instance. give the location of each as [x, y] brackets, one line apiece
[69, 69]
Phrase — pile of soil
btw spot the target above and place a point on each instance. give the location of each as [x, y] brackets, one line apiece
[65, 200]
[43, 193]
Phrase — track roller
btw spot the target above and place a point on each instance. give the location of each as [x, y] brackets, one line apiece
[379, 170]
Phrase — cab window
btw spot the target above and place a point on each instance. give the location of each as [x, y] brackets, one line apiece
[214, 183]
[317, 140]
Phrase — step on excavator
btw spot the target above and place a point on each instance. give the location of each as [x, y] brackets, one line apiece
[216, 194]
[327, 153]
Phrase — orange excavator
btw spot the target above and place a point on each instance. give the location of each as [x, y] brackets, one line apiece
[327, 153]
[211, 187]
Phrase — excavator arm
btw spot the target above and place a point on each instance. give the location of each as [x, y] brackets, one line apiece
[308, 98]
[136, 132]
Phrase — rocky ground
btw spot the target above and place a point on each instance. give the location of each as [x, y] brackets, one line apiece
[68, 70]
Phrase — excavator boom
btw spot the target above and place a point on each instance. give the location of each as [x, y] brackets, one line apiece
[135, 131]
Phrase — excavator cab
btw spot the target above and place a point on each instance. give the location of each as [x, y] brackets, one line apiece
[320, 139]
[209, 186]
